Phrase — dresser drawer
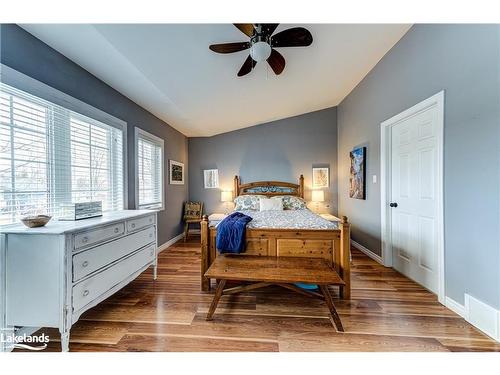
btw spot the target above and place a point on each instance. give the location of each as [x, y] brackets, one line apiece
[88, 290]
[91, 260]
[139, 223]
[98, 235]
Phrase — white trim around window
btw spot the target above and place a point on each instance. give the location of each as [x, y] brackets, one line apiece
[157, 144]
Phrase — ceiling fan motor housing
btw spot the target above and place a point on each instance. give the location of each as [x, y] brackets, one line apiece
[260, 48]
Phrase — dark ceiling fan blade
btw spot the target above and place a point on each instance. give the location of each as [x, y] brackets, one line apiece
[229, 47]
[245, 28]
[268, 28]
[277, 61]
[247, 66]
[294, 37]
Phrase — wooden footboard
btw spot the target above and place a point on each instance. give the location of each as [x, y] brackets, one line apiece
[332, 245]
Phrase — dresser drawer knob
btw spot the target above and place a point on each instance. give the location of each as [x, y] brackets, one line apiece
[86, 292]
[85, 264]
[85, 239]
[117, 230]
[150, 235]
[152, 252]
[133, 225]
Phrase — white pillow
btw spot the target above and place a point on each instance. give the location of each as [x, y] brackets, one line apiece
[271, 204]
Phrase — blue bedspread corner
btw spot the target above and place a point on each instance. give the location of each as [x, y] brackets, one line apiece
[231, 233]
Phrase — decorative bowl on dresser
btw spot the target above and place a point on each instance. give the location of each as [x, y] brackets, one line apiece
[51, 275]
[36, 220]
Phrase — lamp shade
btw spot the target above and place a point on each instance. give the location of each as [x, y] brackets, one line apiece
[260, 51]
[318, 196]
[226, 196]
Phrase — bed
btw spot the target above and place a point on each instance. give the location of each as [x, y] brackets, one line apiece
[291, 233]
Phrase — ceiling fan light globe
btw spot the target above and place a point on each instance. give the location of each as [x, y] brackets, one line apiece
[260, 51]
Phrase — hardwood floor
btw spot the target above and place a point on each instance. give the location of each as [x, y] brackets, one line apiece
[387, 312]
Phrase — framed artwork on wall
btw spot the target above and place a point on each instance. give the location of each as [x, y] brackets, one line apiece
[320, 178]
[211, 178]
[176, 170]
[357, 178]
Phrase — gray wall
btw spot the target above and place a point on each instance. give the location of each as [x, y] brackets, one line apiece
[280, 150]
[464, 61]
[23, 52]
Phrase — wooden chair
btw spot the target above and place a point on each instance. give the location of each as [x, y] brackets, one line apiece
[192, 214]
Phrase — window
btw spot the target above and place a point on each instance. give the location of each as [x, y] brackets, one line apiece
[95, 155]
[51, 156]
[149, 170]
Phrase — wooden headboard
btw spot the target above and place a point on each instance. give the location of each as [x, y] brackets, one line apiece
[269, 188]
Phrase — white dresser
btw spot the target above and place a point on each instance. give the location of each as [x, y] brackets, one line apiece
[49, 276]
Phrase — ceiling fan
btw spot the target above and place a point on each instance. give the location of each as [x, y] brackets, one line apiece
[262, 44]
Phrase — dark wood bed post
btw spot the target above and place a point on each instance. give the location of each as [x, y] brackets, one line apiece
[301, 186]
[236, 187]
[345, 257]
[205, 253]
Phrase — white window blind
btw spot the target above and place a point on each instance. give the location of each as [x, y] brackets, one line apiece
[51, 156]
[149, 170]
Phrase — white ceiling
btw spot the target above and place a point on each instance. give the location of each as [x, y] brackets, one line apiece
[169, 70]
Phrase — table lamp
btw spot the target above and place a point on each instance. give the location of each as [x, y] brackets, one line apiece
[226, 196]
[318, 196]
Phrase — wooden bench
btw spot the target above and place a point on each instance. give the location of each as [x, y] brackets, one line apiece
[283, 271]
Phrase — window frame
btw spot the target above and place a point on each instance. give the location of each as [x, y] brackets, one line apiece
[20, 81]
[160, 142]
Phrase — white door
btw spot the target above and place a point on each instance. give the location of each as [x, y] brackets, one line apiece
[414, 203]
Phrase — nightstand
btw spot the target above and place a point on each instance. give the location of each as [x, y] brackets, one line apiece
[329, 217]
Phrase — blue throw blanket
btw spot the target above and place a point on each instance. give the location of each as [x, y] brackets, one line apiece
[231, 233]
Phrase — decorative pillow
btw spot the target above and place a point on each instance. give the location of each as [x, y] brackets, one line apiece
[291, 202]
[271, 204]
[247, 202]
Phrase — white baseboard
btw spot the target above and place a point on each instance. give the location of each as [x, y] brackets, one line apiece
[456, 307]
[483, 316]
[170, 242]
[367, 252]
[479, 314]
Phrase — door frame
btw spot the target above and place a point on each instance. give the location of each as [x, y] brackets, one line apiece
[437, 101]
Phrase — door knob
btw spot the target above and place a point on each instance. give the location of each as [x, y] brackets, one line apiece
[393, 204]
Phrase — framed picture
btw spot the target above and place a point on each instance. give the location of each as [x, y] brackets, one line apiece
[211, 178]
[176, 172]
[320, 178]
[357, 178]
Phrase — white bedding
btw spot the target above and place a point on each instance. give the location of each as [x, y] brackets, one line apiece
[288, 219]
